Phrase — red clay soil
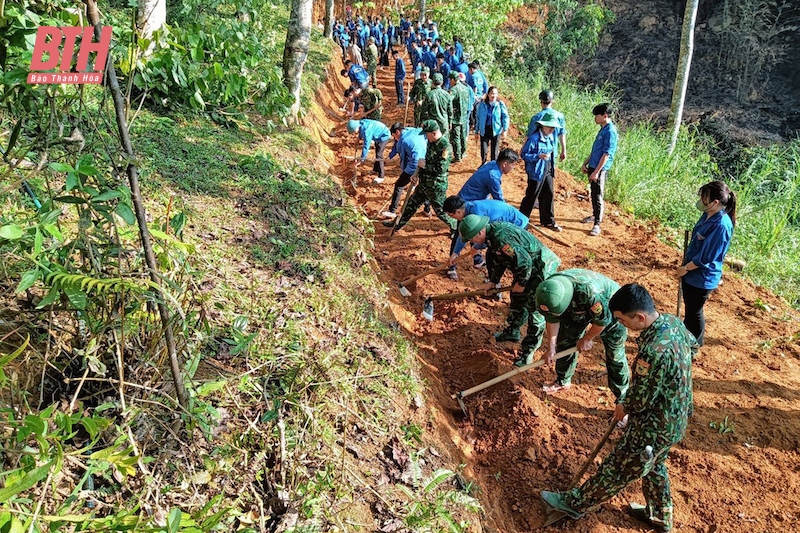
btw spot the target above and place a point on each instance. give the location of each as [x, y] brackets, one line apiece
[520, 441]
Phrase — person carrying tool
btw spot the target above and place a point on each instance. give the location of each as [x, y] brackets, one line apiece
[658, 405]
[372, 100]
[432, 175]
[370, 131]
[497, 211]
[418, 93]
[410, 145]
[570, 301]
[459, 128]
[438, 105]
[530, 262]
[359, 77]
[539, 153]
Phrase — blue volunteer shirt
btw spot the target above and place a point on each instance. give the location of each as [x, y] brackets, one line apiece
[534, 146]
[711, 238]
[411, 148]
[478, 83]
[399, 69]
[560, 130]
[444, 68]
[604, 143]
[372, 130]
[358, 75]
[485, 181]
[496, 210]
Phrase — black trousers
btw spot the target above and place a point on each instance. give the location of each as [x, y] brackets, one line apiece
[488, 139]
[379, 164]
[694, 298]
[399, 187]
[543, 191]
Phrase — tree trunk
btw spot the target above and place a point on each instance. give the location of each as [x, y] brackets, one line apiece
[682, 74]
[422, 11]
[329, 19]
[295, 51]
[151, 16]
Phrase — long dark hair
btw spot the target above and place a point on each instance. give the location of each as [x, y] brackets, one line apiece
[488, 92]
[718, 190]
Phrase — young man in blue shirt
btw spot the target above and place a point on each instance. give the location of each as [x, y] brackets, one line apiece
[411, 146]
[599, 162]
[399, 77]
[487, 180]
[370, 131]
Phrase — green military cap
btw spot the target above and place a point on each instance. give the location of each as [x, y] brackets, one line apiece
[352, 126]
[471, 225]
[429, 126]
[437, 78]
[548, 119]
[554, 295]
[453, 74]
[425, 70]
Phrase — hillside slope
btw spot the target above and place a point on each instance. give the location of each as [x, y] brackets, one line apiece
[519, 441]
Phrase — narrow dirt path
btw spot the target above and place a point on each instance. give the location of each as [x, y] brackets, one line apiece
[519, 441]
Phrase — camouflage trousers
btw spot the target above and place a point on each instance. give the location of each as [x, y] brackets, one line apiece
[430, 192]
[613, 337]
[417, 114]
[522, 310]
[628, 462]
[458, 140]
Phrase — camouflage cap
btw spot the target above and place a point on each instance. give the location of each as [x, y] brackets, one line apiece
[454, 74]
[437, 78]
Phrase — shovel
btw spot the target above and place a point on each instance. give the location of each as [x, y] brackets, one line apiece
[511, 373]
[551, 237]
[555, 515]
[405, 116]
[427, 308]
[402, 285]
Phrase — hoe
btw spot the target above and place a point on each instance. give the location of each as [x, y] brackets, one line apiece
[427, 308]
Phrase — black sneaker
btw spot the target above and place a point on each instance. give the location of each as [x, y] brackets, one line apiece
[388, 223]
[478, 261]
[451, 273]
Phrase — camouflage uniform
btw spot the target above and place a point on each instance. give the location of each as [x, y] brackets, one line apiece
[658, 403]
[459, 130]
[372, 99]
[371, 58]
[589, 305]
[530, 262]
[439, 107]
[432, 184]
[417, 95]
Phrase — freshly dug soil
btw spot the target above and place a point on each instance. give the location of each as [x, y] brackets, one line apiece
[517, 441]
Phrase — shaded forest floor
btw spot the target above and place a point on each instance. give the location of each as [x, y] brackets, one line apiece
[519, 441]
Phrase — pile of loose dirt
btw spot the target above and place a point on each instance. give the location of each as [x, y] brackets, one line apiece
[520, 441]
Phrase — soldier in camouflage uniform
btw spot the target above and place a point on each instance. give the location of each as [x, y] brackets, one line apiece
[438, 105]
[418, 93]
[570, 301]
[372, 100]
[432, 176]
[530, 262]
[459, 129]
[371, 59]
[658, 403]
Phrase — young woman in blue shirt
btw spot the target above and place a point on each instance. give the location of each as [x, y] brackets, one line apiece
[701, 271]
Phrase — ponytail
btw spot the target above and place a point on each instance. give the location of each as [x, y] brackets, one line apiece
[718, 190]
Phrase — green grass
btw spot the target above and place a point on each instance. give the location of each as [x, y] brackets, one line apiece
[650, 183]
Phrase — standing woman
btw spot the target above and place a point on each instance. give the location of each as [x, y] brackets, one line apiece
[711, 238]
[491, 122]
[537, 152]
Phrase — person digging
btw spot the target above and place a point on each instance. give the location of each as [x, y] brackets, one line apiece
[658, 402]
[570, 301]
[432, 176]
[530, 262]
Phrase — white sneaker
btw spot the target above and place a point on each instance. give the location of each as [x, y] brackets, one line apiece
[389, 215]
[378, 180]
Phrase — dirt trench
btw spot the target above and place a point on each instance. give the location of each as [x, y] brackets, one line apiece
[518, 441]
